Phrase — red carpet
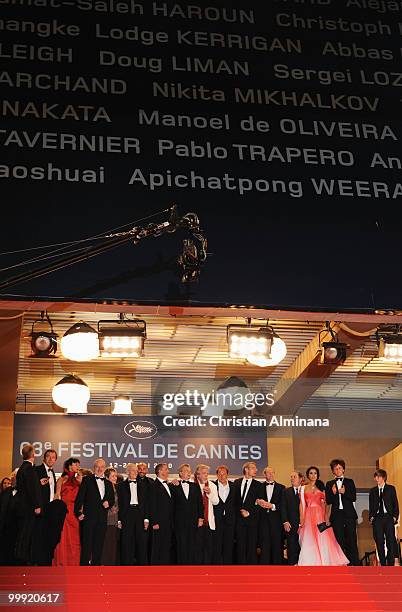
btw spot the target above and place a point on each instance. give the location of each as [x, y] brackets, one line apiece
[211, 588]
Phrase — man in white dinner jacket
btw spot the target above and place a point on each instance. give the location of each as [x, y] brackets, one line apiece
[206, 541]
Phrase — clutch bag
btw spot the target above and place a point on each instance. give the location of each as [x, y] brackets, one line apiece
[322, 527]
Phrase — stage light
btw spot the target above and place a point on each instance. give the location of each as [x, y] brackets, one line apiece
[259, 345]
[80, 343]
[278, 353]
[72, 394]
[333, 353]
[43, 343]
[122, 405]
[122, 338]
[390, 348]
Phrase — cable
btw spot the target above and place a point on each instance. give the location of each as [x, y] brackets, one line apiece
[353, 332]
[96, 237]
[57, 253]
[18, 316]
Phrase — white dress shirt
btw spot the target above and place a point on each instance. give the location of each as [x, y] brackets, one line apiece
[51, 481]
[223, 490]
[339, 484]
[381, 489]
[165, 485]
[186, 488]
[245, 486]
[270, 490]
[133, 494]
[101, 487]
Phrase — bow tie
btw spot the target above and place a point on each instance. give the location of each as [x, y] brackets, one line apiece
[185, 482]
[165, 481]
[130, 481]
[339, 479]
[270, 484]
[100, 477]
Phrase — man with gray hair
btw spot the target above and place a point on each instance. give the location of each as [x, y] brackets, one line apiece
[188, 516]
[134, 513]
[270, 528]
[290, 516]
[206, 549]
[92, 503]
[247, 491]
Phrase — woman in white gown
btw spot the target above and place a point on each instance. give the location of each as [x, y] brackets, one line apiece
[316, 548]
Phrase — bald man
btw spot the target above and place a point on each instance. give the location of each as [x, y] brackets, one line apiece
[92, 503]
[270, 532]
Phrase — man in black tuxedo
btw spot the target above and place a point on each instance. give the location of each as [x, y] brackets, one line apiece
[143, 474]
[383, 514]
[225, 516]
[95, 497]
[148, 482]
[271, 530]
[28, 504]
[134, 513]
[188, 515]
[161, 516]
[42, 553]
[246, 491]
[290, 515]
[8, 522]
[340, 493]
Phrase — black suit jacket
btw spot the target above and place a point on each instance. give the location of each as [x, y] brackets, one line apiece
[44, 489]
[161, 505]
[187, 511]
[147, 481]
[390, 501]
[290, 507]
[254, 492]
[124, 497]
[90, 501]
[347, 498]
[28, 489]
[7, 508]
[227, 507]
[276, 498]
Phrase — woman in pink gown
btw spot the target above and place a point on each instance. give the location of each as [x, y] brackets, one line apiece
[316, 548]
[69, 548]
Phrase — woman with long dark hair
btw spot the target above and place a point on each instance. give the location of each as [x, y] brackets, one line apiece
[69, 548]
[316, 547]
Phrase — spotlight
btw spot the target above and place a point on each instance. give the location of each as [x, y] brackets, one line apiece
[390, 347]
[80, 343]
[332, 352]
[122, 405]
[122, 338]
[72, 394]
[259, 345]
[43, 344]
[278, 353]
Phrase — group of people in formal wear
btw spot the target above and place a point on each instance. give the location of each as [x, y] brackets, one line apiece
[99, 517]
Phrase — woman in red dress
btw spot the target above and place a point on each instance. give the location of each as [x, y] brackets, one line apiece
[69, 548]
[316, 548]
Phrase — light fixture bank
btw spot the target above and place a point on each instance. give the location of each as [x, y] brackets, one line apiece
[259, 346]
[121, 338]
